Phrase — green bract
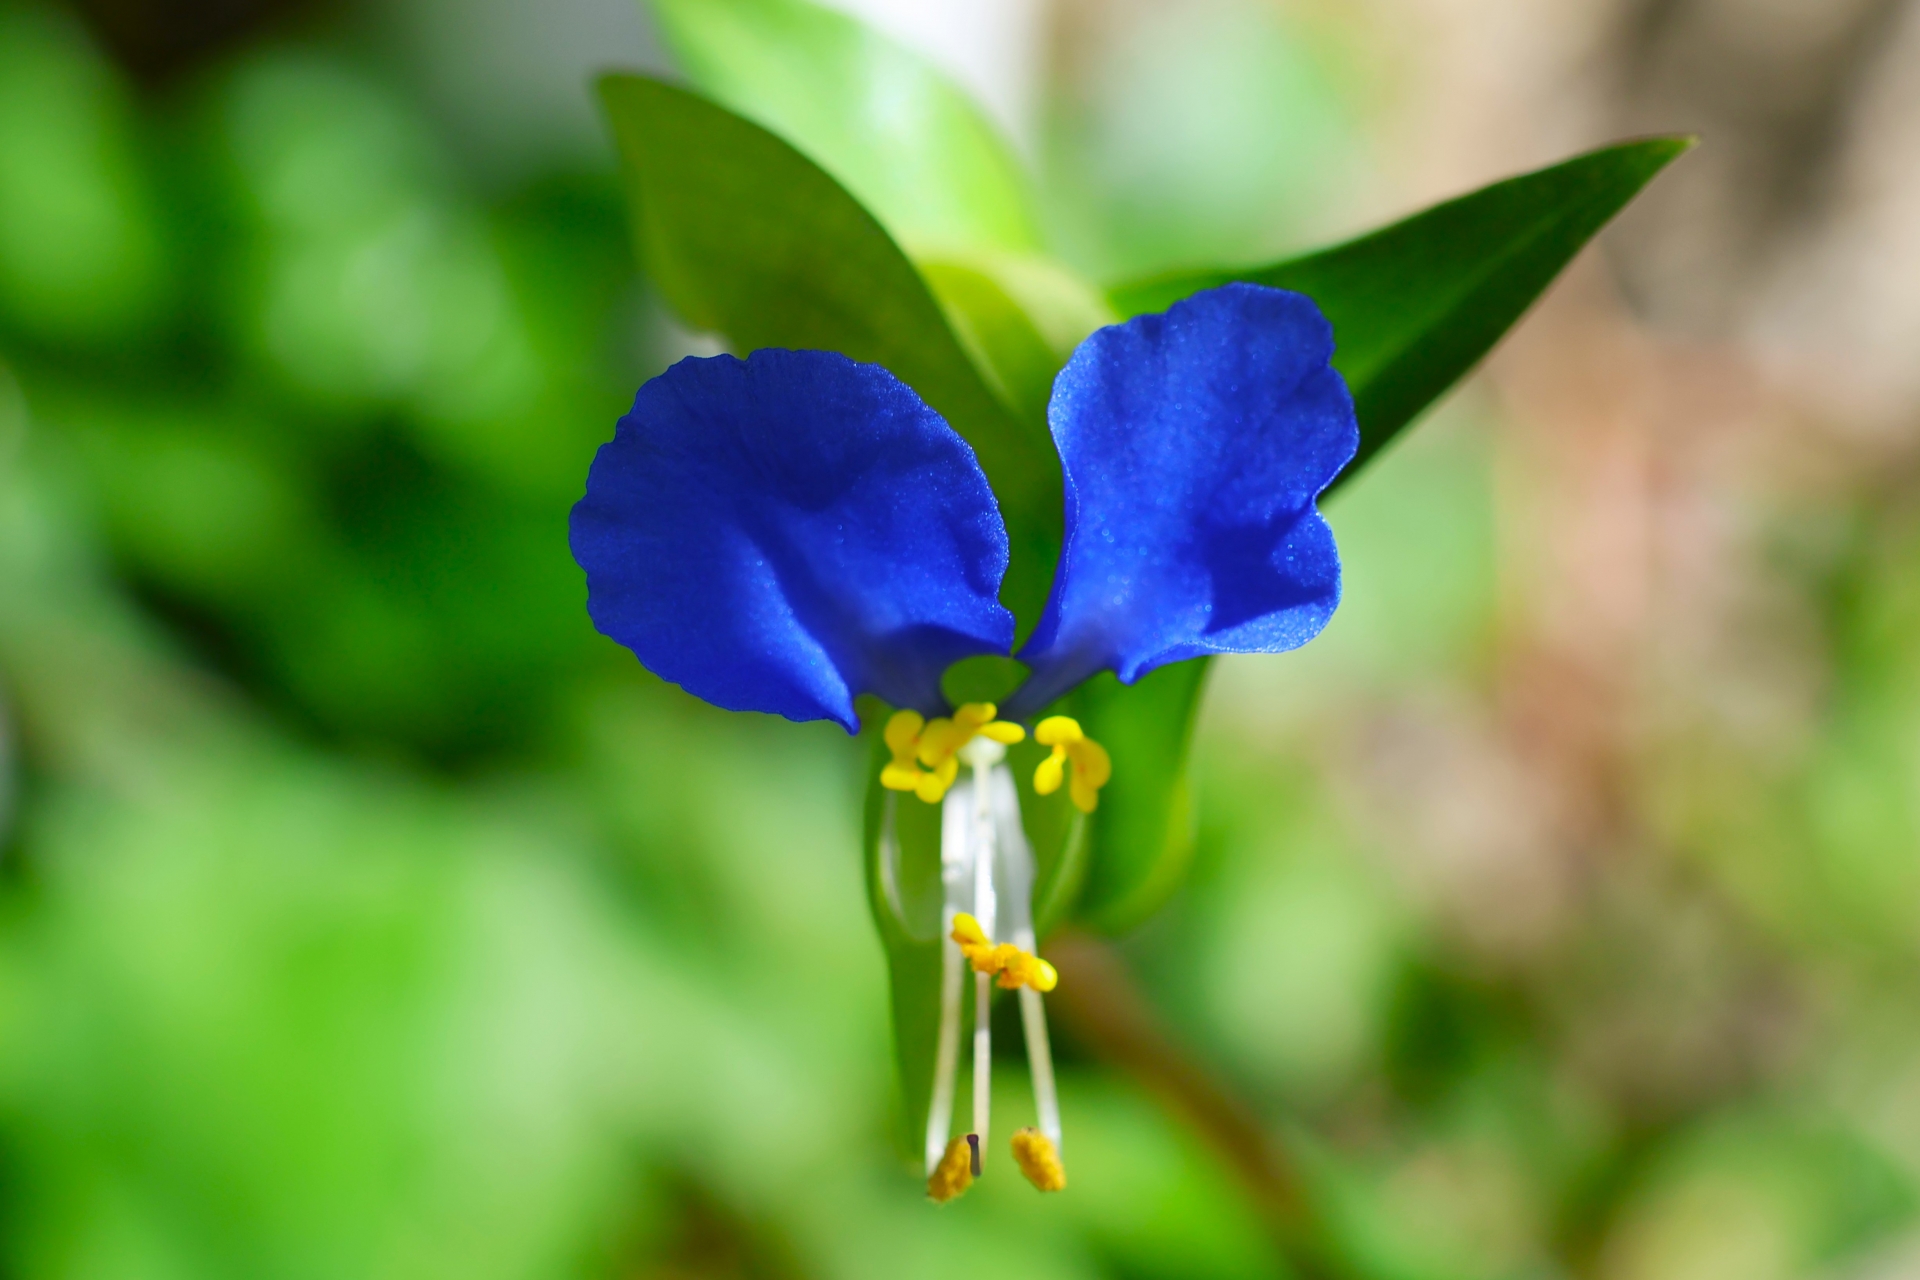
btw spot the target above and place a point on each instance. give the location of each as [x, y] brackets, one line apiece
[753, 230]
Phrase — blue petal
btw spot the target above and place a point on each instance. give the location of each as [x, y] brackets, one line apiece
[1193, 445]
[782, 533]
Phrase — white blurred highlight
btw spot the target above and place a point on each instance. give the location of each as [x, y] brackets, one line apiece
[993, 48]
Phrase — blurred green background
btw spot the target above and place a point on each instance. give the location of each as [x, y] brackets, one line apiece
[364, 914]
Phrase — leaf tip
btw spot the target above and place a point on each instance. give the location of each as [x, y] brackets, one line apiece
[1659, 150]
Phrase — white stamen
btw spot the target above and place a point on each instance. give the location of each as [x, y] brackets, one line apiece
[1016, 873]
[985, 860]
[956, 880]
[982, 754]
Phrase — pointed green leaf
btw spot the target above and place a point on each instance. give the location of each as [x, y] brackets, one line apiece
[1415, 305]
[912, 146]
[748, 238]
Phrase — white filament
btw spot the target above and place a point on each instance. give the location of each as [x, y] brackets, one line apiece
[983, 755]
[1015, 871]
[956, 883]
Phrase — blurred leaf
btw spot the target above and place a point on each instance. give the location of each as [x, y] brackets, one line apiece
[193, 498]
[80, 252]
[910, 145]
[747, 237]
[367, 282]
[1415, 305]
[1207, 131]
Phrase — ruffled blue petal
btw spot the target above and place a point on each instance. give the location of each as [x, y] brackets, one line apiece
[1193, 445]
[784, 532]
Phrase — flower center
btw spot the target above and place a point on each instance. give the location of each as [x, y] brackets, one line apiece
[926, 753]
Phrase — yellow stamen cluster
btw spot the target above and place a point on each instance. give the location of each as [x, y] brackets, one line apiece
[926, 752]
[1091, 764]
[1037, 1157]
[1009, 965]
[954, 1173]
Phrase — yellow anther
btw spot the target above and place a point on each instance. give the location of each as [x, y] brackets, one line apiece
[940, 740]
[968, 933]
[903, 734]
[1092, 766]
[903, 740]
[1007, 964]
[942, 779]
[1037, 1157]
[1026, 970]
[954, 1173]
[926, 752]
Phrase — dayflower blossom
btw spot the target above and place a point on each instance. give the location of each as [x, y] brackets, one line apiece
[786, 532]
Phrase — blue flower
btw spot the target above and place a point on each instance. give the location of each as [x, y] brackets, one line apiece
[784, 533]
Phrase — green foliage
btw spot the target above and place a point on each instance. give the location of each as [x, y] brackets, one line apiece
[1209, 131]
[1019, 318]
[910, 146]
[1143, 829]
[81, 258]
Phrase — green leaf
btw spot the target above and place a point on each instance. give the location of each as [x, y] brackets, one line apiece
[1415, 305]
[748, 238]
[908, 143]
[1142, 837]
[1019, 317]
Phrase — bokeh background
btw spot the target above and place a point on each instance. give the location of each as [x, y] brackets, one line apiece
[363, 914]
